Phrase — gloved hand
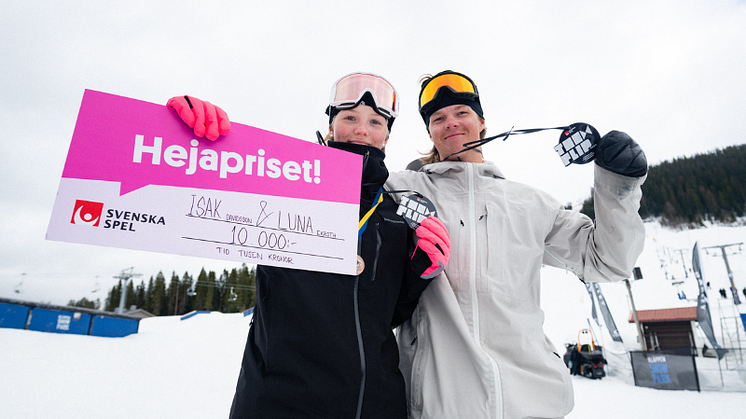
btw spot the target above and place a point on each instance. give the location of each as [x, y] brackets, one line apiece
[435, 241]
[207, 119]
[619, 153]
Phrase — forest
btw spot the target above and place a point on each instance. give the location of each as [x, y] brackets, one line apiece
[229, 292]
[689, 191]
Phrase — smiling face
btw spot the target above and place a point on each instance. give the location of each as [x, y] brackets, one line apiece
[453, 126]
[360, 125]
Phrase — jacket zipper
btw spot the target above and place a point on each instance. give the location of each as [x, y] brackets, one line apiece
[358, 327]
[473, 253]
[473, 286]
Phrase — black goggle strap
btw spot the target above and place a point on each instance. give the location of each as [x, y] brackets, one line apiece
[576, 152]
[474, 144]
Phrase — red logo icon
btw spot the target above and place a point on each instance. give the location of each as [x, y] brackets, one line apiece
[87, 213]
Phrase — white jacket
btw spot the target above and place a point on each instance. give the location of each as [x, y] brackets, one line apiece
[475, 347]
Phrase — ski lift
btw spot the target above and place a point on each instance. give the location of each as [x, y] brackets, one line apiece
[233, 296]
[192, 291]
[18, 288]
[96, 287]
[679, 292]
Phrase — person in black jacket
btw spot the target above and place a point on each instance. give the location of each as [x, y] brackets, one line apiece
[321, 344]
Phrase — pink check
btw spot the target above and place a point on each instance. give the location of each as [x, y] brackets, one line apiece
[135, 167]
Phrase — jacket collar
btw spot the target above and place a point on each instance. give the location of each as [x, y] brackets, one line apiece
[374, 169]
[483, 169]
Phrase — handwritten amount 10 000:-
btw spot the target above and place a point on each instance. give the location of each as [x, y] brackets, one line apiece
[264, 240]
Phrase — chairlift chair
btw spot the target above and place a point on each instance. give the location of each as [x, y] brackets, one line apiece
[192, 291]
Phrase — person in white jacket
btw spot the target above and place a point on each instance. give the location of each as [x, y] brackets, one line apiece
[475, 346]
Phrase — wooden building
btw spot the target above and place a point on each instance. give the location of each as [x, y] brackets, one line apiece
[667, 328]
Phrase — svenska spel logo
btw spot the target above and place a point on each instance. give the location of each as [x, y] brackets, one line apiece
[87, 213]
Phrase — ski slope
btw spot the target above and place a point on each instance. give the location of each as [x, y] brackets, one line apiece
[188, 369]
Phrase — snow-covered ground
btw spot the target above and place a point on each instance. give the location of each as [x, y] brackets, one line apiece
[169, 369]
[175, 368]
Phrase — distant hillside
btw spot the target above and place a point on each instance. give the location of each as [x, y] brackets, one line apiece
[690, 190]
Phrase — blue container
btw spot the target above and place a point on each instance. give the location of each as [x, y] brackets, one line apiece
[112, 327]
[13, 316]
[57, 321]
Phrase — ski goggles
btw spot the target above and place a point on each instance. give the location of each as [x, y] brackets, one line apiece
[458, 83]
[349, 90]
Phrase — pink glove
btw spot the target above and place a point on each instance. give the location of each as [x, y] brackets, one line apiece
[207, 119]
[435, 241]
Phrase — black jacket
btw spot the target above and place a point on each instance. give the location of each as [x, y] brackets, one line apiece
[321, 344]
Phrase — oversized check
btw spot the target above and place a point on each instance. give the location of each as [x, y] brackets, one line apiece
[136, 177]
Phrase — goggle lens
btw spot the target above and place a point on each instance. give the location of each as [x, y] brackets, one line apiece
[457, 82]
[350, 89]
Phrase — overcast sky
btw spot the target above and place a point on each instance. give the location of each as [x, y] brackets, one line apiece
[669, 73]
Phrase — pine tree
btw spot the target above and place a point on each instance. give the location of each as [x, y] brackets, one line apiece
[149, 296]
[131, 297]
[160, 303]
[85, 303]
[112, 301]
[185, 300]
[246, 288]
[588, 208]
[172, 294]
[221, 293]
[140, 295]
[210, 293]
[200, 289]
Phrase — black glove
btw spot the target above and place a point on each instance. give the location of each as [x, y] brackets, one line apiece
[619, 153]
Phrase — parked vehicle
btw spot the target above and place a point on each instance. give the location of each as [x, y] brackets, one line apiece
[586, 359]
